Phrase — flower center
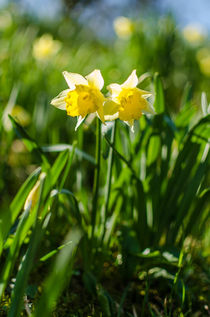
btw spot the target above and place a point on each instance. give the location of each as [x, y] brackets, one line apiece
[82, 101]
[131, 104]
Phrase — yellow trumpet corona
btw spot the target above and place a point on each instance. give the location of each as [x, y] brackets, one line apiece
[83, 96]
[127, 102]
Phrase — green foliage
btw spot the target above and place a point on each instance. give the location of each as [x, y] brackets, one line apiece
[118, 214]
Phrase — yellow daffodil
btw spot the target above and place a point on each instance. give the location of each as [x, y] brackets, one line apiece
[83, 96]
[127, 102]
[194, 33]
[5, 20]
[45, 47]
[123, 27]
[203, 58]
[19, 113]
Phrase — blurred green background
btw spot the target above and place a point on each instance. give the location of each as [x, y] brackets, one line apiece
[39, 41]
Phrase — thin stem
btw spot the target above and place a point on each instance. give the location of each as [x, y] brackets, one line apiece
[79, 171]
[96, 176]
[122, 158]
[109, 179]
[69, 163]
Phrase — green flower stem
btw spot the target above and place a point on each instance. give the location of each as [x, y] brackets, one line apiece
[79, 171]
[122, 158]
[109, 179]
[96, 177]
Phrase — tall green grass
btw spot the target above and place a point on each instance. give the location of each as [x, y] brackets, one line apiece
[149, 194]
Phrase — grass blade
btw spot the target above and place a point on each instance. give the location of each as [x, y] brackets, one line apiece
[63, 147]
[8, 217]
[31, 145]
[60, 275]
[28, 261]
[159, 103]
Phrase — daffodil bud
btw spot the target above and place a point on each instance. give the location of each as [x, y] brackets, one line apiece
[33, 196]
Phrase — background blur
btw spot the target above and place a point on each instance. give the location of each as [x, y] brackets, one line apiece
[40, 39]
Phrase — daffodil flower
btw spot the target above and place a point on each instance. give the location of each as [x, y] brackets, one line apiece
[45, 47]
[194, 33]
[83, 96]
[127, 102]
[123, 27]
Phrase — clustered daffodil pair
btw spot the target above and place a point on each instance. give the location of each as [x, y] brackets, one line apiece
[126, 101]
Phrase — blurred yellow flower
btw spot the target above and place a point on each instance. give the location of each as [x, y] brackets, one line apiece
[194, 33]
[45, 47]
[127, 102]
[5, 20]
[123, 27]
[83, 96]
[19, 113]
[203, 58]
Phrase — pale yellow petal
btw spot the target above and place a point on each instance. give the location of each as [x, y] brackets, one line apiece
[131, 124]
[110, 108]
[144, 93]
[114, 89]
[111, 117]
[148, 109]
[73, 79]
[89, 119]
[132, 81]
[100, 113]
[95, 79]
[80, 119]
[59, 101]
